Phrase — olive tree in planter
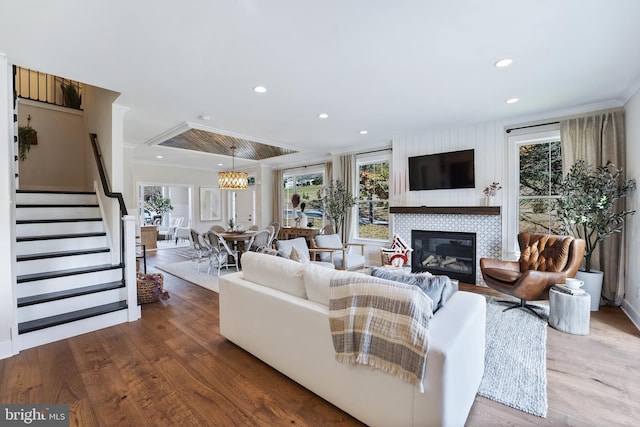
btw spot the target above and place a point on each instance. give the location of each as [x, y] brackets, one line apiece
[337, 201]
[588, 210]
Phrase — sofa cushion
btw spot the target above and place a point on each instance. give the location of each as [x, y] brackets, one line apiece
[274, 272]
[317, 280]
[439, 288]
[328, 241]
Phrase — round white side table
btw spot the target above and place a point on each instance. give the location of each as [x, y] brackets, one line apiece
[569, 313]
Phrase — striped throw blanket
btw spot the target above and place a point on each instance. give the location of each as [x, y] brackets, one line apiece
[382, 324]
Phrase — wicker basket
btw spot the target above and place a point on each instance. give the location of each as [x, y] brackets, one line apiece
[146, 284]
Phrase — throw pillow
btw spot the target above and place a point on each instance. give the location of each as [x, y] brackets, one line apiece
[294, 255]
[439, 288]
[298, 257]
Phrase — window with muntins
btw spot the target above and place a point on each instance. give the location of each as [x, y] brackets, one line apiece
[305, 183]
[373, 197]
[539, 173]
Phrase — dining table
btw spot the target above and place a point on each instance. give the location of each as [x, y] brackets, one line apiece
[238, 239]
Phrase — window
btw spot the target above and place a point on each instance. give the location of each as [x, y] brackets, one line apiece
[539, 172]
[373, 197]
[306, 184]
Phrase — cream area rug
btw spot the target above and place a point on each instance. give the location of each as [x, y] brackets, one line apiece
[188, 270]
[515, 372]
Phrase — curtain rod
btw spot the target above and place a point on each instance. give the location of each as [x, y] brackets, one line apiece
[531, 126]
[304, 166]
[375, 151]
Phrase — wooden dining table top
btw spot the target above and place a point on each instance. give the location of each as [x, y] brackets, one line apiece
[236, 236]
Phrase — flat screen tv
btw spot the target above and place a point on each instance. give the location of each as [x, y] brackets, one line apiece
[442, 171]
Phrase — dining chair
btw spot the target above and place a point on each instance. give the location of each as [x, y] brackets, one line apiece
[200, 248]
[168, 231]
[223, 252]
[276, 231]
[259, 240]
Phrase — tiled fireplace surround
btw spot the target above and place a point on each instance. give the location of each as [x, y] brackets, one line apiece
[486, 223]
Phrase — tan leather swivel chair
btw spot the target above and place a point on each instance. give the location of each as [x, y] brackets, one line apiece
[545, 260]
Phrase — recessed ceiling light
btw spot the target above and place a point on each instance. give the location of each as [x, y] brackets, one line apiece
[364, 132]
[323, 115]
[204, 117]
[158, 157]
[260, 89]
[512, 100]
[504, 62]
[220, 164]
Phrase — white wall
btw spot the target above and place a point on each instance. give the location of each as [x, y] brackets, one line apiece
[489, 142]
[631, 303]
[142, 173]
[57, 161]
[147, 173]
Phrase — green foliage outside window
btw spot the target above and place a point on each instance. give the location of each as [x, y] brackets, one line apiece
[373, 200]
[154, 201]
[540, 174]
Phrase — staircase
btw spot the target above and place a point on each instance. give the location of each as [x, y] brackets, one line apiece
[66, 282]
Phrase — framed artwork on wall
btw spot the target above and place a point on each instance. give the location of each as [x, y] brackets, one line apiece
[210, 204]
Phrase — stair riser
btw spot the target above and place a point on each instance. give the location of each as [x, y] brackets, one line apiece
[54, 308]
[57, 284]
[57, 213]
[47, 229]
[77, 243]
[72, 329]
[62, 263]
[54, 198]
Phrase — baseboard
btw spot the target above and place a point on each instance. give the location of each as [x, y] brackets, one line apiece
[631, 312]
[6, 349]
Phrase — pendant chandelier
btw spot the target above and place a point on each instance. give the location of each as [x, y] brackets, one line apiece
[232, 180]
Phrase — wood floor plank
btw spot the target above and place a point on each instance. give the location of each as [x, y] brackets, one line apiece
[173, 368]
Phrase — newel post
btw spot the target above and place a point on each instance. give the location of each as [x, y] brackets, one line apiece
[133, 311]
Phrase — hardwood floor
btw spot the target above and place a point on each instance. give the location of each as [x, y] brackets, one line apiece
[173, 368]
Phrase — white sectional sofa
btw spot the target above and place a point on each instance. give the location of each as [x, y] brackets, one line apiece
[277, 310]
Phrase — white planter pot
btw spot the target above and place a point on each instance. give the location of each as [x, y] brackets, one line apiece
[592, 285]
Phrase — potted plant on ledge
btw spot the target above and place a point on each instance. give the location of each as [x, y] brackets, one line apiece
[589, 210]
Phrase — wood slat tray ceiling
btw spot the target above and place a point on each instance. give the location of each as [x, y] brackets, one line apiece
[214, 143]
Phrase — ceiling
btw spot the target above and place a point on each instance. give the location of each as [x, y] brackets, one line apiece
[390, 68]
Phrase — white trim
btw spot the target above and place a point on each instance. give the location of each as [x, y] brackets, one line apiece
[510, 248]
[367, 159]
[631, 312]
[183, 127]
[46, 106]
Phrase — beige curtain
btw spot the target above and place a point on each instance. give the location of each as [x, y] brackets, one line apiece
[278, 195]
[348, 177]
[597, 139]
[328, 171]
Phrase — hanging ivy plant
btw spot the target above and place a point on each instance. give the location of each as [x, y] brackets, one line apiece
[26, 137]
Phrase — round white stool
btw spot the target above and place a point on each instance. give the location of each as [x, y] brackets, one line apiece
[569, 313]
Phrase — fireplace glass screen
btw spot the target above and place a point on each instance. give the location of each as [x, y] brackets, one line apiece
[446, 253]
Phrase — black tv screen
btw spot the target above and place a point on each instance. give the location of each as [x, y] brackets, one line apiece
[442, 171]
